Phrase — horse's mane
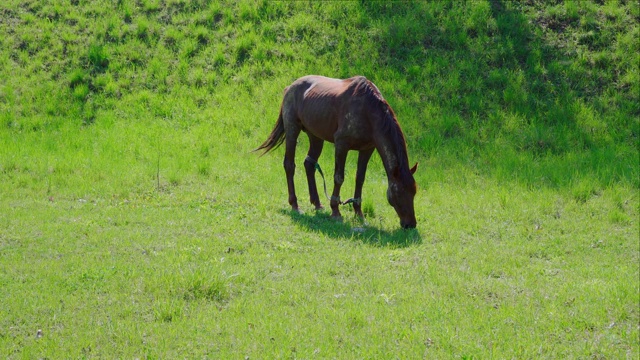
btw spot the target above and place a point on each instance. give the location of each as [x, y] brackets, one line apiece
[389, 124]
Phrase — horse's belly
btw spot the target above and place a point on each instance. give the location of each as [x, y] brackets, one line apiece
[323, 127]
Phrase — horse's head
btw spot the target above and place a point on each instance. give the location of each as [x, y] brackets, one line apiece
[402, 189]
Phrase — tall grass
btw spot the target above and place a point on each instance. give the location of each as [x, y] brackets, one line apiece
[484, 74]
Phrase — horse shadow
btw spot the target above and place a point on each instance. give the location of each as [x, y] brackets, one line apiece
[321, 222]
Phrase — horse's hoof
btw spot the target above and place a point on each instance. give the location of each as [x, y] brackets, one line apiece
[337, 218]
[296, 210]
[319, 208]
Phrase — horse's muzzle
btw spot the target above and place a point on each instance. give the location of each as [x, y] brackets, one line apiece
[408, 224]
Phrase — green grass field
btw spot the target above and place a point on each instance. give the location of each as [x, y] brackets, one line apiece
[136, 223]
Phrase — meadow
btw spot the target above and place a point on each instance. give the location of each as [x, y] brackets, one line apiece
[135, 222]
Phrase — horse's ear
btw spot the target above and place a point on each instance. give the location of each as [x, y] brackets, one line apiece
[414, 168]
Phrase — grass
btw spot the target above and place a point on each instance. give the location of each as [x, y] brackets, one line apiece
[135, 222]
[193, 272]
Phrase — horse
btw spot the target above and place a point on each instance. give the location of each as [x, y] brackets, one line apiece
[353, 115]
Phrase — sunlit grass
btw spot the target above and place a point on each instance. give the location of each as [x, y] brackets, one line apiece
[136, 222]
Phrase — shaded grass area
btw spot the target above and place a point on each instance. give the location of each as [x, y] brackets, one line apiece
[356, 230]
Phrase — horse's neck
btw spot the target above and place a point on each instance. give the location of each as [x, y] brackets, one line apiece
[391, 153]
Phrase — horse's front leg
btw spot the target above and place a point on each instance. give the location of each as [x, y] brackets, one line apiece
[338, 179]
[363, 161]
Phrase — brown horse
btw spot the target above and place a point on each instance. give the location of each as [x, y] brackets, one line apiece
[353, 115]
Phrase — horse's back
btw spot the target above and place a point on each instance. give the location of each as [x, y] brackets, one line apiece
[321, 85]
[321, 104]
[320, 91]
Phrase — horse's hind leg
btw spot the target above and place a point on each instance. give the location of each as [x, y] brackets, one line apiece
[291, 139]
[315, 149]
[363, 160]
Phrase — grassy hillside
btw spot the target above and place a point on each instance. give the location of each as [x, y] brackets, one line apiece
[135, 222]
[485, 80]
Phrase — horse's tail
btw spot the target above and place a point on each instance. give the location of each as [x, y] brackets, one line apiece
[276, 137]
